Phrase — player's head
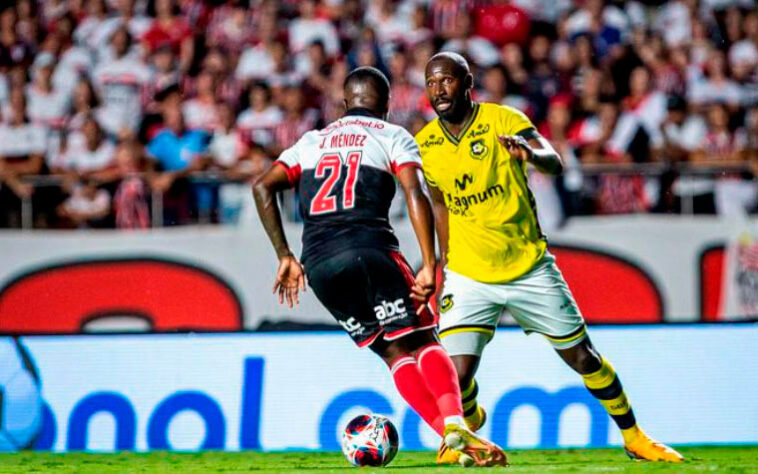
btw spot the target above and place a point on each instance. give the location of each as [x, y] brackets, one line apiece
[448, 84]
[367, 88]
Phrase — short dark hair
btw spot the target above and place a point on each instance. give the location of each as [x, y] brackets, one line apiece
[372, 74]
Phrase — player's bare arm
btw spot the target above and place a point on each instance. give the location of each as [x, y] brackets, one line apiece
[529, 145]
[422, 219]
[290, 276]
[441, 226]
[440, 221]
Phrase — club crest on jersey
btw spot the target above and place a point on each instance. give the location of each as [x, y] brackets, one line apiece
[478, 149]
[446, 303]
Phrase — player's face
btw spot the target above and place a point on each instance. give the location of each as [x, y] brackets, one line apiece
[446, 89]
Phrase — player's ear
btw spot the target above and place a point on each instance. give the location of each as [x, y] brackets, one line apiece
[468, 81]
[344, 104]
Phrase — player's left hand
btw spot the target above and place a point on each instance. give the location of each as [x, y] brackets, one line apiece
[423, 286]
[516, 145]
[290, 279]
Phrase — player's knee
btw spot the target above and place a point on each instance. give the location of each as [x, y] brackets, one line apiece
[586, 361]
[465, 369]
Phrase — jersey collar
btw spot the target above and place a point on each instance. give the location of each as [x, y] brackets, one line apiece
[362, 112]
[457, 139]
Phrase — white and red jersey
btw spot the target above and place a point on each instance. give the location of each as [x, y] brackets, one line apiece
[47, 108]
[123, 84]
[80, 158]
[345, 178]
[258, 126]
[200, 114]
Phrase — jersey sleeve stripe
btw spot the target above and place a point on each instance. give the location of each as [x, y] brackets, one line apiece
[398, 168]
[293, 173]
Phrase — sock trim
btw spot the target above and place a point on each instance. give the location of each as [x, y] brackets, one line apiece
[426, 350]
[402, 361]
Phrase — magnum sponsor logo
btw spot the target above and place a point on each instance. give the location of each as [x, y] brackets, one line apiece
[461, 204]
[463, 182]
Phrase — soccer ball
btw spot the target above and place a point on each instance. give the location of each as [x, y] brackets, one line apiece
[20, 398]
[370, 440]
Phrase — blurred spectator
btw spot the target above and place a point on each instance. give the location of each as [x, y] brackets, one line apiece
[89, 154]
[126, 16]
[307, 28]
[463, 41]
[722, 146]
[178, 151]
[384, 18]
[231, 27]
[130, 201]
[90, 31]
[679, 132]
[84, 103]
[715, 86]
[123, 84]
[45, 105]
[643, 111]
[607, 25]
[23, 146]
[200, 111]
[169, 28]
[405, 97]
[13, 49]
[257, 60]
[296, 122]
[88, 206]
[256, 124]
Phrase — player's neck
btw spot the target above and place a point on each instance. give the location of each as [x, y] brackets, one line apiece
[456, 123]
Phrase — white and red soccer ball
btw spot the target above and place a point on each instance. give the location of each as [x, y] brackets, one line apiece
[370, 440]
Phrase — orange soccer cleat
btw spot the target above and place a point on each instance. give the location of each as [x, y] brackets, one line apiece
[470, 448]
[643, 448]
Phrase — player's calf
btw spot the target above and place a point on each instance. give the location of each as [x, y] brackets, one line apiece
[473, 413]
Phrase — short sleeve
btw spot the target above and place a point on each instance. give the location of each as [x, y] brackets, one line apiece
[290, 161]
[155, 147]
[515, 121]
[405, 152]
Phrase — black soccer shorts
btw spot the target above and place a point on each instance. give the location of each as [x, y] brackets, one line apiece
[367, 290]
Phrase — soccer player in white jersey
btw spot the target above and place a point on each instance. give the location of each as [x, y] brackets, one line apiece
[345, 175]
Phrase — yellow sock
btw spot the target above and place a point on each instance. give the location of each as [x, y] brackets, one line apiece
[605, 385]
[471, 412]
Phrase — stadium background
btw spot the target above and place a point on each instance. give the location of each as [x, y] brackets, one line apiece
[652, 104]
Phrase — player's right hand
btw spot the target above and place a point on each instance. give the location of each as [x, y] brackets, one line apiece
[423, 286]
[290, 279]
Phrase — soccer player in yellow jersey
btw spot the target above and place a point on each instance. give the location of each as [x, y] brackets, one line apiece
[495, 256]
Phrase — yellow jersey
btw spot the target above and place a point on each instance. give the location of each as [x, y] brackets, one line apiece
[494, 236]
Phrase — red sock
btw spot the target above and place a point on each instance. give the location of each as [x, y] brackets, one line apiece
[411, 385]
[441, 379]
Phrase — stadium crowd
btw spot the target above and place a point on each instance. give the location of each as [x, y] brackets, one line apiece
[108, 103]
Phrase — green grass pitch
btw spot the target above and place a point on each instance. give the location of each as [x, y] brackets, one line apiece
[731, 459]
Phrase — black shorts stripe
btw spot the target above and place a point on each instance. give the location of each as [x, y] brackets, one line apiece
[468, 326]
[569, 336]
